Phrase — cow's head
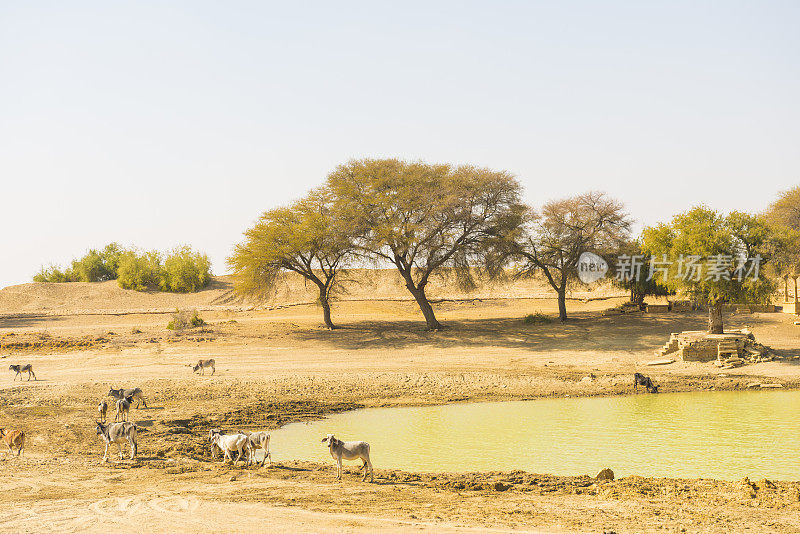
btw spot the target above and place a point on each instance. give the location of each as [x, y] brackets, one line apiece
[654, 389]
[100, 429]
[213, 433]
[329, 439]
[195, 367]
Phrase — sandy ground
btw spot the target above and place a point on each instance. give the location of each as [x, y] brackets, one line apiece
[276, 366]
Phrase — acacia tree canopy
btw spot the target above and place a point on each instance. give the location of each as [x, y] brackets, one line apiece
[424, 218]
[784, 217]
[705, 233]
[305, 238]
[563, 229]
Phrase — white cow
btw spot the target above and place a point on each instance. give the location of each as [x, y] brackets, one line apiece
[349, 450]
[256, 441]
[229, 443]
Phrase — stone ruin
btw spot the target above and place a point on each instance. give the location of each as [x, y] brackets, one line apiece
[728, 350]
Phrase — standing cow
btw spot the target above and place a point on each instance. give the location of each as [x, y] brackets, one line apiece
[120, 394]
[118, 433]
[349, 450]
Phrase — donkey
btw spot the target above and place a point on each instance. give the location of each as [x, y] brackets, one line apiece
[19, 369]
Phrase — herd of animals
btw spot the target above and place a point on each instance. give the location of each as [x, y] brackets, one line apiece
[122, 431]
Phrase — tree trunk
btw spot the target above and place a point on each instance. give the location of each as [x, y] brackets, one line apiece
[425, 306]
[326, 308]
[562, 304]
[715, 318]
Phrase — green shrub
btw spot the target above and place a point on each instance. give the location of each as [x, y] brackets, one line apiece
[139, 271]
[94, 266]
[185, 271]
[90, 268]
[537, 318]
[51, 274]
[183, 319]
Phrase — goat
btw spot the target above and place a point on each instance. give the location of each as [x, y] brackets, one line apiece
[118, 433]
[202, 364]
[349, 450]
[120, 394]
[13, 438]
[641, 380]
[228, 443]
[123, 409]
[102, 408]
[19, 369]
[258, 440]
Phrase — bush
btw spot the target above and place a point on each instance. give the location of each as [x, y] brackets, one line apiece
[183, 319]
[537, 318]
[185, 271]
[94, 266]
[90, 268]
[139, 271]
[52, 274]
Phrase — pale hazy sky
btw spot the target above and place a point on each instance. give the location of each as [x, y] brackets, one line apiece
[160, 123]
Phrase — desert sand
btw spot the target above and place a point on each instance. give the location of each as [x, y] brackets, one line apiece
[276, 364]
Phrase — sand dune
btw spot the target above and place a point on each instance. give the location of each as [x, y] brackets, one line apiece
[360, 284]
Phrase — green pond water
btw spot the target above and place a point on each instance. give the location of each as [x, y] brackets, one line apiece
[724, 435]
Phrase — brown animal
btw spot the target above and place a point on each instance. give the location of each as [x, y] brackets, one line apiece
[202, 364]
[13, 438]
[641, 380]
[19, 369]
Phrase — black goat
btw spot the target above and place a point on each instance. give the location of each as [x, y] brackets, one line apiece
[641, 380]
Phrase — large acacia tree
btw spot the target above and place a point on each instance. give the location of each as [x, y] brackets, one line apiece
[708, 253]
[305, 238]
[562, 230]
[426, 218]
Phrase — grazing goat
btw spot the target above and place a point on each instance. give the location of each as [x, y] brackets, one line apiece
[102, 408]
[123, 409]
[13, 438]
[256, 441]
[229, 443]
[118, 433]
[120, 394]
[349, 450]
[19, 369]
[201, 366]
[641, 380]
